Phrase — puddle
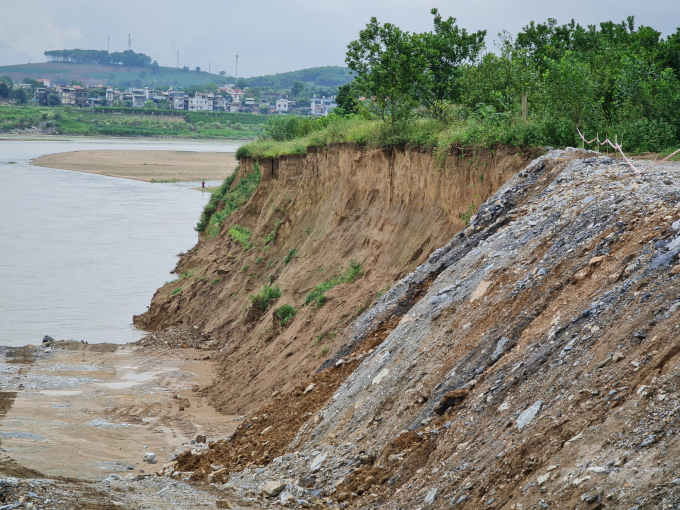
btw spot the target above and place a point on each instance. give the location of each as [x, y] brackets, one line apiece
[61, 392]
[118, 385]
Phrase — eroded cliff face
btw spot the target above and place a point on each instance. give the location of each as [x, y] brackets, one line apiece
[387, 210]
[538, 366]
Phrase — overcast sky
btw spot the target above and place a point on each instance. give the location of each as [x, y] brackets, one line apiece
[274, 36]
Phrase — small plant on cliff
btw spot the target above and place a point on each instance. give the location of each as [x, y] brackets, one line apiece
[176, 291]
[468, 214]
[285, 313]
[267, 293]
[242, 236]
[291, 253]
[272, 235]
[227, 200]
[318, 297]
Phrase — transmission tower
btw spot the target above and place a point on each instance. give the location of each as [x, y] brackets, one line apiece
[129, 42]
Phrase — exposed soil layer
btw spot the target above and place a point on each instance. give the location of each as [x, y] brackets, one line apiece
[145, 165]
[385, 209]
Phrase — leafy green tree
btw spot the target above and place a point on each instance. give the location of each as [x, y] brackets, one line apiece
[242, 83]
[185, 69]
[149, 104]
[19, 95]
[4, 90]
[198, 70]
[389, 66]
[297, 88]
[211, 86]
[347, 100]
[223, 73]
[446, 49]
[53, 99]
[264, 110]
[76, 83]
[7, 80]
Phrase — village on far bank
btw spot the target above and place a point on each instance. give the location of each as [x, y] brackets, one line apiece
[224, 98]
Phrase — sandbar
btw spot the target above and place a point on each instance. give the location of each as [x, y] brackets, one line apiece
[146, 166]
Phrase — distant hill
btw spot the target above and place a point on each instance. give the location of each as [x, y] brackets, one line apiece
[119, 76]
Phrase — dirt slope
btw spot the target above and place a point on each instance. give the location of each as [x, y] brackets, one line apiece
[385, 209]
[540, 369]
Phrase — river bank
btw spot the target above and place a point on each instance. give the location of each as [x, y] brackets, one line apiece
[145, 165]
[84, 416]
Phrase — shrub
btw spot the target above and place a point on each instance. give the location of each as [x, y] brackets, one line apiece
[291, 253]
[267, 293]
[317, 296]
[242, 236]
[285, 313]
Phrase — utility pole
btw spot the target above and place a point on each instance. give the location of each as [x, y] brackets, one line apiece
[177, 59]
[108, 44]
[237, 67]
[129, 42]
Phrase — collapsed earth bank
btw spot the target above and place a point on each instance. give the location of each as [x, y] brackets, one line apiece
[308, 219]
[538, 369]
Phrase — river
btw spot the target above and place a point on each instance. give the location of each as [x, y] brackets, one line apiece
[81, 253]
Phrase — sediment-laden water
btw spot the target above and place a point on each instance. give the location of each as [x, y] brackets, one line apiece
[81, 253]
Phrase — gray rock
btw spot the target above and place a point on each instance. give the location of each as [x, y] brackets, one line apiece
[273, 488]
[529, 414]
[150, 458]
[316, 463]
[431, 496]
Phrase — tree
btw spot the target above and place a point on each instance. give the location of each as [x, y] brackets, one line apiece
[76, 83]
[4, 90]
[347, 100]
[445, 51]
[389, 66]
[185, 69]
[7, 80]
[223, 73]
[211, 86]
[19, 95]
[198, 69]
[149, 104]
[297, 88]
[53, 99]
[264, 110]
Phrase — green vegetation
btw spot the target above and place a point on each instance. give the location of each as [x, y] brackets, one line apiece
[285, 313]
[176, 291]
[242, 236]
[227, 200]
[323, 351]
[134, 122]
[272, 235]
[441, 89]
[466, 216]
[163, 181]
[329, 76]
[262, 300]
[291, 253]
[317, 296]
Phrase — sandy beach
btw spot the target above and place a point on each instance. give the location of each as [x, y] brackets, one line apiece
[145, 165]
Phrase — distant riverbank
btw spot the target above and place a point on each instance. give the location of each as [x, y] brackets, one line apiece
[149, 166]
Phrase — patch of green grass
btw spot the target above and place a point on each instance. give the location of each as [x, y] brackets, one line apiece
[244, 268]
[215, 280]
[163, 181]
[291, 253]
[227, 200]
[317, 296]
[267, 293]
[176, 291]
[269, 264]
[285, 313]
[324, 350]
[242, 236]
[259, 260]
[468, 214]
[272, 235]
[318, 339]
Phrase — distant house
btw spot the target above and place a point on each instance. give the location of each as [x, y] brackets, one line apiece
[67, 95]
[323, 106]
[272, 95]
[110, 96]
[81, 96]
[282, 105]
[220, 104]
[40, 96]
[138, 97]
[176, 98]
[201, 103]
[235, 106]
[45, 82]
[236, 94]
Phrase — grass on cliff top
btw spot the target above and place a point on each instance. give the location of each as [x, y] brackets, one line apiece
[427, 133]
